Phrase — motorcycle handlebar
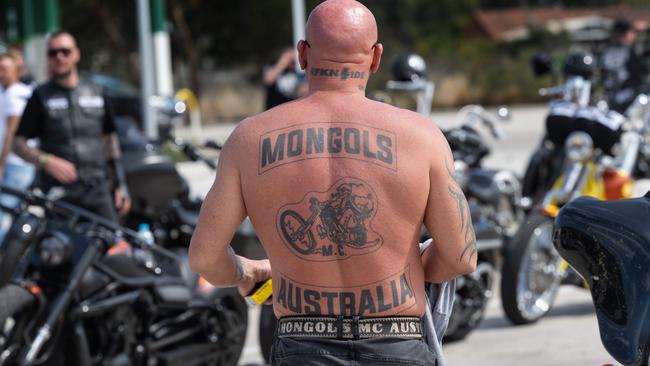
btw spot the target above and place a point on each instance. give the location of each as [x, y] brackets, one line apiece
[97, 226]
[477, 112]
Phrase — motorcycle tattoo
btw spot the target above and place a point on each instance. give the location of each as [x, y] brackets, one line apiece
[338, 225]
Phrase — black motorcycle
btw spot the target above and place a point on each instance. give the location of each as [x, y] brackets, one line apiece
[608, 243]
[494, 200]
[76, 289]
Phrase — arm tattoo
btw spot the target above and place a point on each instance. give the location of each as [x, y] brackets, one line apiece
[465, 219]
[239, 266]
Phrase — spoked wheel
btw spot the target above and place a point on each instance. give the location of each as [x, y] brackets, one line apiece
[17, 307]
[233, 323]
[532, 271]
[296, 233]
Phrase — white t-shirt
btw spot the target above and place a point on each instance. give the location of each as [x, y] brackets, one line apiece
[12, 103]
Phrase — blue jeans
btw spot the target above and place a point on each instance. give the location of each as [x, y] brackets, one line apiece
[18, 177]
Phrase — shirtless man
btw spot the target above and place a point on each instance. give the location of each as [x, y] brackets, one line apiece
[337, 187]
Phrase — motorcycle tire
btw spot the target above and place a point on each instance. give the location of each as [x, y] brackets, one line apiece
[515, 271]
[236, 323]
[17, 307]
[473, 292]
[268, 323]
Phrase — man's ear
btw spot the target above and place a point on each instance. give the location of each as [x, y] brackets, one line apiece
[302, 54]
[378, 50]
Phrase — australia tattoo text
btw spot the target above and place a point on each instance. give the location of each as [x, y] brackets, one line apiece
[465, 217]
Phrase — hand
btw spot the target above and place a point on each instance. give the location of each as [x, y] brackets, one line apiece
[61, 169]
[122, 202]
[256, 271]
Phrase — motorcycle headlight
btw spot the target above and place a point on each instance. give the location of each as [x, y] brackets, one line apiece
[55, 249]
[579, 146]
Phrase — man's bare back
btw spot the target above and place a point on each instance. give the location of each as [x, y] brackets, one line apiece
[337, 195]
[337, 187]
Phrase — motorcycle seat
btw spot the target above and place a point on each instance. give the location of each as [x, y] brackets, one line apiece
[608, 243]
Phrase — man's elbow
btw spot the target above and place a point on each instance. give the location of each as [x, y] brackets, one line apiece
[466, 267]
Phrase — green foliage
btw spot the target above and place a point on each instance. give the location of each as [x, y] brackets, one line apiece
[242, 33]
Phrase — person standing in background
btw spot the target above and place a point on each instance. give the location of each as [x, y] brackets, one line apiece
[15, 172]
[17, 54]
[623, 72]
[79, 148]
[283, 83]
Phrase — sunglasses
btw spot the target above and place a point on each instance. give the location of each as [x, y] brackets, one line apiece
[53, 52]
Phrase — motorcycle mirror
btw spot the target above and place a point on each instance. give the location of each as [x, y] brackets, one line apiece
[504, 113]
[541, 64]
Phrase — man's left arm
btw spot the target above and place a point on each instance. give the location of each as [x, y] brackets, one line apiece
[113, 156]
[222, 212]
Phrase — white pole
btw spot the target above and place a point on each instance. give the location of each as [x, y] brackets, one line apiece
[146, 69]
[164, 84]
[298, 11]
[35, 57]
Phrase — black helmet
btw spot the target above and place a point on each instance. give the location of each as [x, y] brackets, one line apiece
[580, 64]
[409, 67]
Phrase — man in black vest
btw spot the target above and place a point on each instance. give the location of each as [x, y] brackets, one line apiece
[78, 140]
[624, 73]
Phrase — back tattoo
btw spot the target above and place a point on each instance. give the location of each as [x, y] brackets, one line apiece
[331, 225]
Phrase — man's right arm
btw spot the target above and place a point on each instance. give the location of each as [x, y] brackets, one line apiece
[453, 251]
[30, 127]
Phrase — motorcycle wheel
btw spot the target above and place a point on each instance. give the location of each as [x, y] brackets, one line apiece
[473, 292]
[531, 273]
[235, 322]
[268, 323]
[17, 308]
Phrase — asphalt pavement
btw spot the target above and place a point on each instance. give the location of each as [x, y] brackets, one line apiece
[567, 336]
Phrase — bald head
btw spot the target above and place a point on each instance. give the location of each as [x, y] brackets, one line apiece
[342, 30]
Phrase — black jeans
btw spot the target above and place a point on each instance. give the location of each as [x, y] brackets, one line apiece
[371, 351]
[93, 195]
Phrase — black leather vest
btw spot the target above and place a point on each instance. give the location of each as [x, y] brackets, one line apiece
[73, 127]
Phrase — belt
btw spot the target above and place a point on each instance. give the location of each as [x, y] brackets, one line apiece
[349, 328]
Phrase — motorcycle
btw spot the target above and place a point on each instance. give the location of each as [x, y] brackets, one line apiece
[494, 201]
[77, 289]
[602, 149]
[607, 242]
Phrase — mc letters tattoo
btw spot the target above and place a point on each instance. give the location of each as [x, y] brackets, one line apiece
[327, 141]
[342, 74]
[331, 225]
[394, 294]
